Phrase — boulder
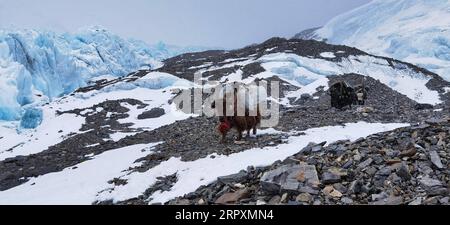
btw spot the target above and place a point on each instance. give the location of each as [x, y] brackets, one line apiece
[290, 178]
[304, 197]
[330, 178]
[392, 200]
[423, 106]
[305, 96]
[153, 113]
[233, 197]
[436, 160]
[403, 172]
[234, 178]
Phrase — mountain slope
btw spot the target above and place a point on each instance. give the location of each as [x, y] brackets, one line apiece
[307, 34]
[145, 150]
[416, 31]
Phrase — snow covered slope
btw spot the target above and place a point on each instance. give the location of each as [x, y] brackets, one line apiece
[63, 187]
[305, 63]
[37, 66]
[307, 34]
[415, 31]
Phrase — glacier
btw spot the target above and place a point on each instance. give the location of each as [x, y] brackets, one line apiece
[415, 31]
[37, 66]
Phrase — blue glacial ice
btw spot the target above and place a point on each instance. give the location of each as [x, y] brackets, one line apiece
[38, 66]
[31, 118]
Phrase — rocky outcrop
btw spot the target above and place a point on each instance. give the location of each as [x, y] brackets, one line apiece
[408, 166]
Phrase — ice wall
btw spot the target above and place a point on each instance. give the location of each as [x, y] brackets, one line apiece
[38, 66]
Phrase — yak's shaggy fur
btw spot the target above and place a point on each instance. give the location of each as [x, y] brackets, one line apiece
[229, 120]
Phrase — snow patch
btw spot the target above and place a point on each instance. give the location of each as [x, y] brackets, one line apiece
[53, 130]
[327, 55]
[76, 186]
[236, 76]
[310, 89]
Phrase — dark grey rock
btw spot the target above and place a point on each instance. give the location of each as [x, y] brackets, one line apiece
[371, 170]
[378, 159]
[234, 178]
[380, 196]
[317, 148]
[403, 172]
[6, 175]
[153, 113]
[381, 175]
[436, 160]
[423, 106]
[365, 164]
[289, 178]
[437, 191]
[308, 189]
[308, 149]
[305, 96]
[444, 200]
[340, 187]
[430, 185]
[330, 178]
[393, 200]
[293, 203]
[347, 164]
[290, 185]
[356, 187]
[431, 201]
[347, 201]
[392, 153]
[385, 171]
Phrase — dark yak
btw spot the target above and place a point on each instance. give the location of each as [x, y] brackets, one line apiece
[342, 94]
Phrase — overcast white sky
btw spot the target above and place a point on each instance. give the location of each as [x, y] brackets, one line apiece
[219, 23]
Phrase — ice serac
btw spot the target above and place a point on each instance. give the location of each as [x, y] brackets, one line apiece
[37, 66]
[416, 31]
[161, 50]
[31, 118]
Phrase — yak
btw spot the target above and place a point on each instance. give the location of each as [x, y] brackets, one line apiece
[342, 94]
[247, 122]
